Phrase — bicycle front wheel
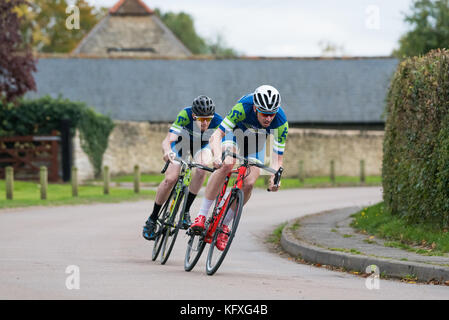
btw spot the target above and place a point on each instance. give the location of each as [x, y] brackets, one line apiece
[173, 224]
[195, 247]
[160, 225]
[216, 256]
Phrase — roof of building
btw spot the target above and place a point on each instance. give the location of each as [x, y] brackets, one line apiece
[131, 29]
[312, 90]
[130, 7]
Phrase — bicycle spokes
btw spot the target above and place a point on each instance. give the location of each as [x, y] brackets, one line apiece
[225, 232]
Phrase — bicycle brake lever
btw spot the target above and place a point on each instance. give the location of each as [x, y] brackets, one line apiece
[165, 167]
[277, 178]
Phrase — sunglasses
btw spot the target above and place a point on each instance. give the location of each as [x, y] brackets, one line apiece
[201, 119]
[267, 115]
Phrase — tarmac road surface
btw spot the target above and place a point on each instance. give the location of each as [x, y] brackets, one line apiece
[104, 244]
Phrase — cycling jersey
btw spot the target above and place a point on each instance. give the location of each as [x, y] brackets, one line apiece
[184, 127]
[242, 116]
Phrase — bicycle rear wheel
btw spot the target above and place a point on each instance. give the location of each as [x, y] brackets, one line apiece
[160, 225]
[173, 224]
[215, 256]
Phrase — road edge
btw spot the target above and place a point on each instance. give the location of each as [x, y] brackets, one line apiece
[358, 262]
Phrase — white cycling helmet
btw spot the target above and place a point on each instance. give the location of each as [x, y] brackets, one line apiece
[267, 99]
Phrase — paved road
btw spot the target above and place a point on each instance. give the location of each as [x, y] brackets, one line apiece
[104, 241]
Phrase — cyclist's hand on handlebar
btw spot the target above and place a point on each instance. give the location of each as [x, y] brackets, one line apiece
[217, 163]
[271, 186]
[169, 156]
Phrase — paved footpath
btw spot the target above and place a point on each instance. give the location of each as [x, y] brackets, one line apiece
[326, 238]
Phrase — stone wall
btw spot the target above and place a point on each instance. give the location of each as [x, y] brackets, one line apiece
[139, 143]
[346, 147]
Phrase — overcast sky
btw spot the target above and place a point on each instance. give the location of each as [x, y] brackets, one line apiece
[295, 27]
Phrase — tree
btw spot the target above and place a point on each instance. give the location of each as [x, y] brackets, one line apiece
[219, 49]
[182, 25]
[16, 60]
[430, 28]
[45, 24]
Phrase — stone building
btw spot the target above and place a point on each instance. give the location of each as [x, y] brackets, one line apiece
[131, 29]
[144, 95]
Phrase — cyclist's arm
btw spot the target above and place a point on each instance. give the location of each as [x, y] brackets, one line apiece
[215, 145]
[166, 144]
[280, 139]
[228, 124]
[182, 119]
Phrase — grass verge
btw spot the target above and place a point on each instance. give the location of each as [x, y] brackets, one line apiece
[275, 236]
[28, 194]
[287, 183]
[425, 239]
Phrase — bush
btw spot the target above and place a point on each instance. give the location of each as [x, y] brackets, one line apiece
[42, 116]
[415, 171]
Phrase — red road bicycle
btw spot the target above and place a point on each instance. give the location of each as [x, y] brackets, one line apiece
[214, 225]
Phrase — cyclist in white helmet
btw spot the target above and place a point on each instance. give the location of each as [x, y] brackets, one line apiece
[253, 118]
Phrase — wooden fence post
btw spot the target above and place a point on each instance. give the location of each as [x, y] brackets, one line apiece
[106, 179]
[44, 182]
[332, 173]
[301, 171]
[136, 179]
[362, 171]
[9, 183]
[74, 182]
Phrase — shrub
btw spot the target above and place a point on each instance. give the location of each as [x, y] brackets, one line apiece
[42, 116]
[415, 171]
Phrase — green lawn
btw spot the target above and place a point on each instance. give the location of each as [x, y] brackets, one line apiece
[287, 183]
[421, 238]
[28, 194]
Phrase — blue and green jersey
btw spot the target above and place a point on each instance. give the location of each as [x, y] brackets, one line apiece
[184, 123]
[242, 116]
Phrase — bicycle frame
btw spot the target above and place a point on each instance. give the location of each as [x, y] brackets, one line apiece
[241, 172]
[216, 216]
[184, 179]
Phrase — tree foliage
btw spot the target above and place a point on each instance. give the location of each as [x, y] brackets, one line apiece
[16, 60]
[42, 116]
[429, 20]
[45, 28]
[182, 25]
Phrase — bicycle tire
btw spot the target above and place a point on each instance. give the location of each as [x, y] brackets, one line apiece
[174, 222]
[160, 234]
[197, 244]
[213, 264]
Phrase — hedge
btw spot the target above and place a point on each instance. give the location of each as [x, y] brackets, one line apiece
[415, 170]
[42, 116]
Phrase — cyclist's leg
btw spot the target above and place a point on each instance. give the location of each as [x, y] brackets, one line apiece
[217, 178]
[259, 156]
[203, 157]
[165, 187]
[163, 192]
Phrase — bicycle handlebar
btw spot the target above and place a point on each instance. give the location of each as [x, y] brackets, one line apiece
[277, 174]
[190, 164]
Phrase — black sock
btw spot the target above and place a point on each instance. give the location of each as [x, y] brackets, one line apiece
[156, 209]
[190, 198]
